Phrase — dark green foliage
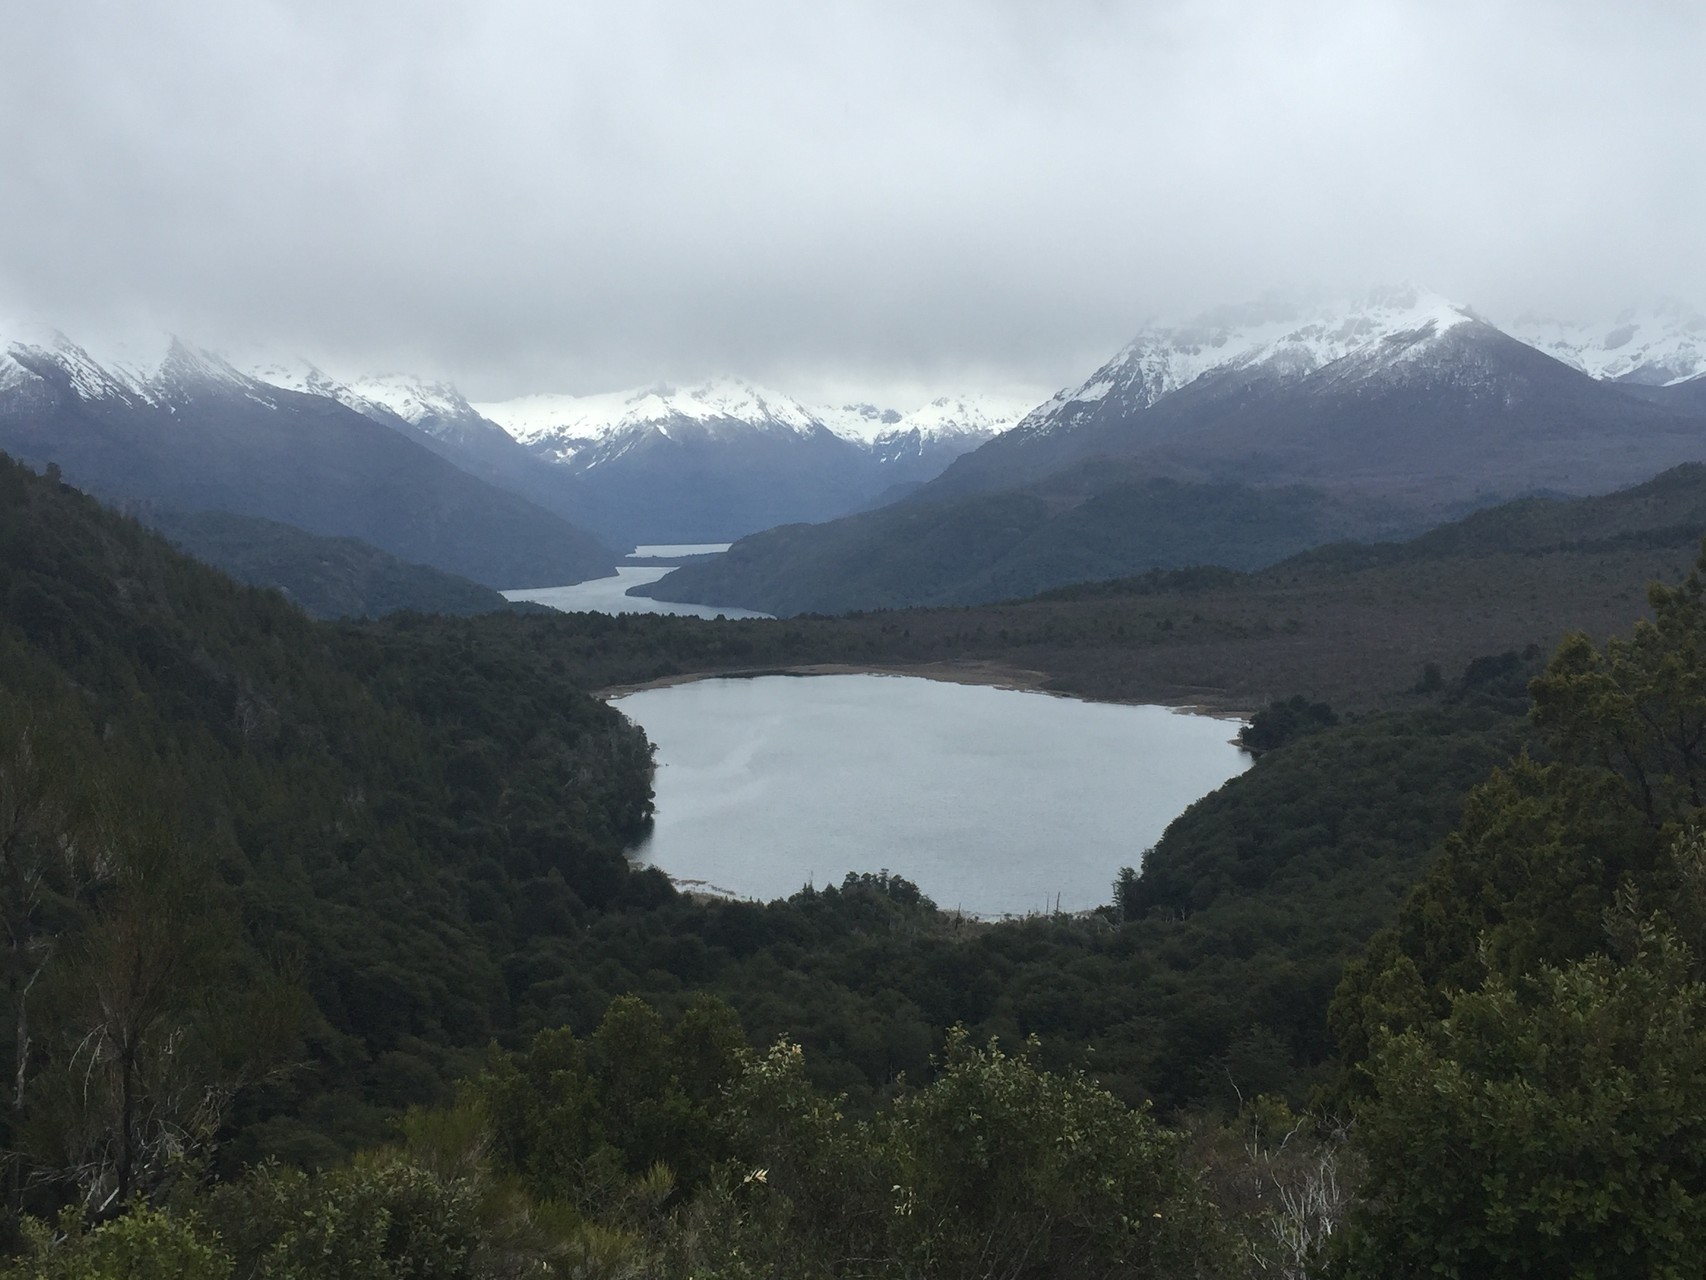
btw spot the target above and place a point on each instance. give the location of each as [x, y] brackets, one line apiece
[378, 1219]
[580, 1121]
[1279, 722]
[390, 818]
[144, 1244]
[416, 827]
[1002, 1168]
[1552, 1126]
[1527, 1045]
[1544, 847]
[1218, 981]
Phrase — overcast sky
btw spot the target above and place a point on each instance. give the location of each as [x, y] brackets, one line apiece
[831, 197]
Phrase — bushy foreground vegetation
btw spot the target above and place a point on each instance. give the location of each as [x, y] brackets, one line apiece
[322, 959]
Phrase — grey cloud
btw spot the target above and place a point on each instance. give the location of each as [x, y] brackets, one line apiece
[576, 197]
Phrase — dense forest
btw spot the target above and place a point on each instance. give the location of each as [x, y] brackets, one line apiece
[323, 957]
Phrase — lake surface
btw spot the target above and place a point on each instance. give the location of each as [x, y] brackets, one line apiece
[678, 550]
[992, 801]
[610, 595]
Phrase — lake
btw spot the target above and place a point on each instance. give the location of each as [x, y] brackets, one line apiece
[610, 595]
[992, 801]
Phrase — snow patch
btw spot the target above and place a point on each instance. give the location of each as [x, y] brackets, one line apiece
[1275, 335]
[1658, 344]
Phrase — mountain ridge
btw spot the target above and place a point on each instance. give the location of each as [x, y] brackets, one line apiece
[1405, 400]
[193, 432]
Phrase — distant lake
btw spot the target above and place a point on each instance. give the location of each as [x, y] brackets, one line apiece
[610, 595]
[991, 800]
[678, 550]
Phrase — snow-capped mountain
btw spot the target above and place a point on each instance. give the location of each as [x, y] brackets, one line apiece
[436, 411]
[704, 463]
[1401, 388]
[564, 426]
[1656, 345]
[588, 430]
[1231, 354]
[153, 370]
[722, 458]
[964, 418]
[863, 421]
[1244, 434]
[916, 447]
[1275, 338]
[163, 422]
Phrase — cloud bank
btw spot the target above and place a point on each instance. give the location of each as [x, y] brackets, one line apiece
[543, 196]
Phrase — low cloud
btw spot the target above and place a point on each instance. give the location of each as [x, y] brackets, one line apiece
[532, 196]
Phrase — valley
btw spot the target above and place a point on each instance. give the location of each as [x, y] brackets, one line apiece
[427, 846]
[852, 642]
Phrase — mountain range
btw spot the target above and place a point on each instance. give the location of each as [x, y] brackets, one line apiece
[411, 467]
[1240, 436]
[1379, 416]
[664, 464]
[724, 458]
[179, 427]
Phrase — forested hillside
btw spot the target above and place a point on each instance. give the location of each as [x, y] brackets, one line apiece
[365, 829]
[1090, 523]
[324, 577]
[281, 889]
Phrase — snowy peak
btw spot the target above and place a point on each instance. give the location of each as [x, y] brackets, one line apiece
[981, 415]
[859, 421]
[436, 408]
[157, 370]
[968, 417]
[1654, 345]
[185, 371]
[433, 409]
[551, 421]
[1275, 335]
[39, 351]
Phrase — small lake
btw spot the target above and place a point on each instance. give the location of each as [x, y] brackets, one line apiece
[610, 595]
[992, 801]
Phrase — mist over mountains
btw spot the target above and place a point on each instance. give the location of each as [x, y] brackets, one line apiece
[706, 465]
[1235, 437]
[1381, 416]
[187, 430]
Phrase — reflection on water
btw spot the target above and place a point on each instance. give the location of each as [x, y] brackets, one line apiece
[992, 801]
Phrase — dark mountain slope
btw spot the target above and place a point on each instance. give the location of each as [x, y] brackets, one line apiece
[1083, 525]
[201, 437]
[1667, 511]
[1683, 397]
[394, 816]
[1464, 414]
[325, 577]
[1399, 430]
[692, 481]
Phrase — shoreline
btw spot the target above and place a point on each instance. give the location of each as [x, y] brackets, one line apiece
[969, 672]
